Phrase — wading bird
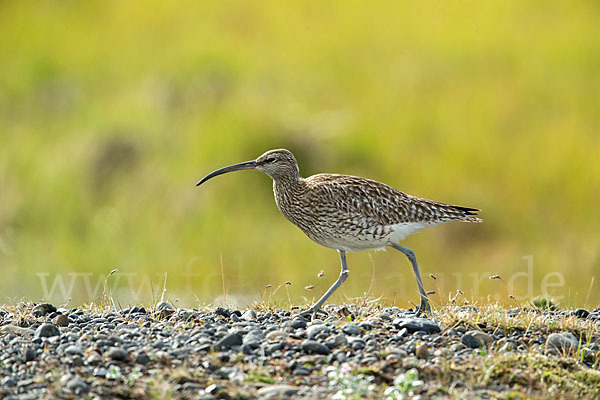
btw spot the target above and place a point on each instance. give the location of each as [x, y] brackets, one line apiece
[349, 213]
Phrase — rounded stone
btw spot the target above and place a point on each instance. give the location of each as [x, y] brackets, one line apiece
[117, 354]
[470, 341]
[351, 329]
[484, 338]
[314, 347]
[564, 342]
[41, 310]
[47, 330]
[417, 324]
[581, 313]
[163, 305]
[314, 330]
[77, 385]
[61, 320]
[422, 352]
[230, 340]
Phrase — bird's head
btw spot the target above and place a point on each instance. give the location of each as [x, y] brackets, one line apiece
[279, 164]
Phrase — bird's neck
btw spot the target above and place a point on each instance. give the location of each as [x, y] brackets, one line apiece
[287, 192]
[288, 184]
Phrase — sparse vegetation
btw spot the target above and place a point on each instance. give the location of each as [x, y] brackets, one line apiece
[527, 371]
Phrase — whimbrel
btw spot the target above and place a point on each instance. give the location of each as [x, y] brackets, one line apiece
[349, 213]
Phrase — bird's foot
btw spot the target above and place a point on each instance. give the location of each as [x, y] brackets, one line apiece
[312, 312]
[423, 309]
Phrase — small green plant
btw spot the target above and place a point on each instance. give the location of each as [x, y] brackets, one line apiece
[133, 376]
[260, 376]
[114, 372]
[350, 383]
[404, 385]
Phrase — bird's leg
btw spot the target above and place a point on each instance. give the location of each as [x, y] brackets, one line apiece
[343, 276]
[424, 307]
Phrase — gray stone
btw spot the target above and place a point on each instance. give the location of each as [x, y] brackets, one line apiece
[314, 347]
[277, 391]
[117, 354]
[277, 334]
[41, 310]
[508, 347]
[249, 315]
[301, 371]
[337, 341]
[73, 350]
[163, 305]
[417, 324]
[222, 311]
[351, 329]
[470, 341]
[29, 354]
[564, 342]
[356, 343]
[314, 330]
[77, 385]
[581, 313]
[484, 338]
[8, 382]
[47, 330]
[298, 323]
[100, 372]
[230, 340]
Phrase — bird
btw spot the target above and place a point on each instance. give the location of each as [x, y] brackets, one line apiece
[349, 213]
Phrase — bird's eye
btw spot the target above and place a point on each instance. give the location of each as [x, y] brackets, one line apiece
[270, 160]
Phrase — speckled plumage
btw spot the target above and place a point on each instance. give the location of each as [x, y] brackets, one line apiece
[349, 213]
[352, 213]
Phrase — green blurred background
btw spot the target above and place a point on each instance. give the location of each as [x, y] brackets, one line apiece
[110, 112]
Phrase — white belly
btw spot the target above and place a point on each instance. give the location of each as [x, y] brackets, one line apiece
[372, 239]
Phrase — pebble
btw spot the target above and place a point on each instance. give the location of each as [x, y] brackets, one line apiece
[142, 358]
[581, 313]
[248, 315]
[483, 338]
[8, 382]
[117, 354]
[77, 385]
[161, 305]
[29, 354]
[417, 324]
[47, 330]
[564, 342]
[61, 320]
[74, 350]
[470, 341]
[314, 330]
[351, 329]
[298, 323]
[277, 391]
[422, 352]
[41, 310]
[230, 340]
[314, 347]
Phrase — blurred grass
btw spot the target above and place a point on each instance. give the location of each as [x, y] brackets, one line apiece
[111, 111]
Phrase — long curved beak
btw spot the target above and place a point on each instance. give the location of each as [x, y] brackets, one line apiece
[231, 168]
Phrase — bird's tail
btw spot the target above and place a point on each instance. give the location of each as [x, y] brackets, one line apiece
[460, 213]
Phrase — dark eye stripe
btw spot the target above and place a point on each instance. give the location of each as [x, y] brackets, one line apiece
[270, 159]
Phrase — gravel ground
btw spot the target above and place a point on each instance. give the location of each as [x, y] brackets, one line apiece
[166, 352]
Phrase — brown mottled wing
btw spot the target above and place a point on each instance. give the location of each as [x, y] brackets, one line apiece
[373, 202]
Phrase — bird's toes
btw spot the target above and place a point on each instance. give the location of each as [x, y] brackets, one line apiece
[423, 309]
[312, 313]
